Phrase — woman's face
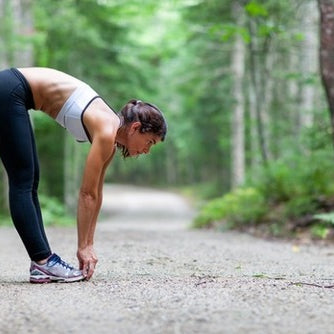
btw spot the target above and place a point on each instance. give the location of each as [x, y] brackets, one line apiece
[140, 143]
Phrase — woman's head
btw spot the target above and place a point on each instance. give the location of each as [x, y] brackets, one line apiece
[143, 125]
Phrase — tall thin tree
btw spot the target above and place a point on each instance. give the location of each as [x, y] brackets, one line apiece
[238, 127]
[326, 52]
[309, 62]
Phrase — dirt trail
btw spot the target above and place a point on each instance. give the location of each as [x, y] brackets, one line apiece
[155, 275]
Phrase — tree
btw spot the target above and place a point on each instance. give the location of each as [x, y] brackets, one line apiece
[309, 63]
[326, 8]
[238, 126]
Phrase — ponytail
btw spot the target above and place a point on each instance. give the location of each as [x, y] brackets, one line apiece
[149, 116]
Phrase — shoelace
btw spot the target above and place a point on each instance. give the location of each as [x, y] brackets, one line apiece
[57, 260]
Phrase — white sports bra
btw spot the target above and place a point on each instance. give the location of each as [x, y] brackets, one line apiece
[71, 114]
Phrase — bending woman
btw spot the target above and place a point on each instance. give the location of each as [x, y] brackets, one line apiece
[79, 109]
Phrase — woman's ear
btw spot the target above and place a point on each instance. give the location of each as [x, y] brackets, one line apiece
[135, 126]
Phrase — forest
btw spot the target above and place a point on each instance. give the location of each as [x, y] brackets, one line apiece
[250, 134]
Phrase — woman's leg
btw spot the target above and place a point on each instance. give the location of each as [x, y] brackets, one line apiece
[18, 153]
[35, 190]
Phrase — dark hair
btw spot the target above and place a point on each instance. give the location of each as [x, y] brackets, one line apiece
[151, 118]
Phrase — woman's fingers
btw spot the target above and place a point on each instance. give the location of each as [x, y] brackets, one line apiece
[88, 269]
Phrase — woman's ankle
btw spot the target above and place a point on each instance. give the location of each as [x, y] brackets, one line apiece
[41, 262]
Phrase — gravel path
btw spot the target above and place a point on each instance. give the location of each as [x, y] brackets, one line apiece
[155, 275]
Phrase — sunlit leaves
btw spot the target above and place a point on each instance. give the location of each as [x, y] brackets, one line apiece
[227, 32]
[254, 8]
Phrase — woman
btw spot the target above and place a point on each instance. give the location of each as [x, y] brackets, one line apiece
[78, 108]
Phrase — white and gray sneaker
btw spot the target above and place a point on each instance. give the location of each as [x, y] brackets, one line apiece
[54, 270]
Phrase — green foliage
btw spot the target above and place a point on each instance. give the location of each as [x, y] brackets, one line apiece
[291, 187]
[284, 180]
[324, 223]
[49, 142]
[299, 183]
[5, 219]
[320, 231]
[254, 8]
[54, 212]
[228, 31]
[202, 191]
[325, 217]
[242, 206]
[300, 205]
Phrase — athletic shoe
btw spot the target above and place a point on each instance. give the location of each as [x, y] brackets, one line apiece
[54, 270]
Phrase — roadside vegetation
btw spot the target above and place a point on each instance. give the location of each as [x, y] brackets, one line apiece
[292, 195]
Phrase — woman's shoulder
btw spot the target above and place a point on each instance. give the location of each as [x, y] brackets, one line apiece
[101, 119]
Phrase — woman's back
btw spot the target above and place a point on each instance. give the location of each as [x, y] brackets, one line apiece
[50, 88]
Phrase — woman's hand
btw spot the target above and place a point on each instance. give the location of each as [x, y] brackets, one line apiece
[87, 261]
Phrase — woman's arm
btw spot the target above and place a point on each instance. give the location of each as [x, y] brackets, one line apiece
[100, 194]
[90, 200]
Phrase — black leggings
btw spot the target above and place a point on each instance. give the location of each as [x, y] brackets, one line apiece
[18, 154]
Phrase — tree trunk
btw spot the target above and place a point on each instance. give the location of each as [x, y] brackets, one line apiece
[326, 8]
[256, 86]
[255, 157]
[293, 91]
[308, 63]
[267, 87]
[238, 127]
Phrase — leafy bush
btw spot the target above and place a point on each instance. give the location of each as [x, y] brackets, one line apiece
[320, 231]
[298, 183]
[242, 206]
[325, 217]
[280, 193]
[306, 176]
[300, 205]
[287, 192]
[325, 222]
[53, 211]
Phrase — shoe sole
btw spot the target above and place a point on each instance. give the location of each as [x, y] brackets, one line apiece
[55, 279]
